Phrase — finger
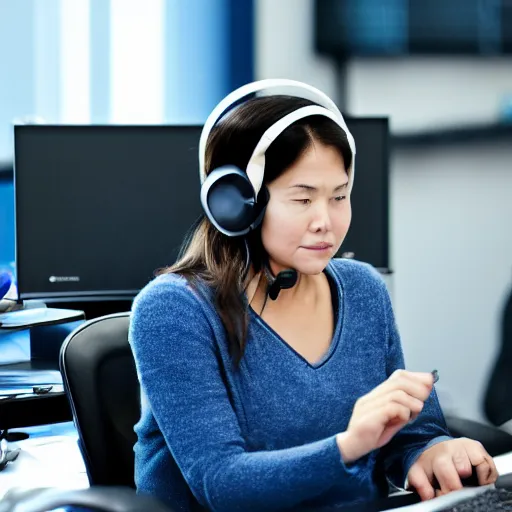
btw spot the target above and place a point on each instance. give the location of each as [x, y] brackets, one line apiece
[401, 397]
[482, 461]
[419, 388]
[391, 417]
[400, 380]
[462, 463]
[415, 405]
[411, 388]
[386, 412]
[487, 473]
[425, 378]
[419, 480]
[395, 413]
[446, 474]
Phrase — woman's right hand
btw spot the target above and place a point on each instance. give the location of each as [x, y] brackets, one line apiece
[380, 414]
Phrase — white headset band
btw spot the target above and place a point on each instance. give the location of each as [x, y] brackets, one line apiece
[256, 166]
[272, 86]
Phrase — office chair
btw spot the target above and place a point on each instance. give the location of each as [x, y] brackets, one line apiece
[495, 440]
[497, 400]
[99, 499]
[100, 380]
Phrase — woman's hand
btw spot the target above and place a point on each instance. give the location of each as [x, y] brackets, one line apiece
[444, 464]
[380, 414]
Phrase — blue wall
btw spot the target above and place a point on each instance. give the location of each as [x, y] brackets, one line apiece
[209, 52]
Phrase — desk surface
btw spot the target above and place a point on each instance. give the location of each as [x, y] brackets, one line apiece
[28, 408]
[23, 319]
[28, 374]
[34, 365]
[49, 458]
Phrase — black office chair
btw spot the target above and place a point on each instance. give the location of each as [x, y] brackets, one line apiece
[99, 499]
[99, 376]
[498, 398]
[495, 440]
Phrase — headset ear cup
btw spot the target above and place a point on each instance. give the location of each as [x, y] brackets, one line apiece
[228, 199]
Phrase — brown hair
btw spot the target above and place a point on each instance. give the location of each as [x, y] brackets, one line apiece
[219, 261]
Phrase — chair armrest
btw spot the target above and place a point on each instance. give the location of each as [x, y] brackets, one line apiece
[495, 440]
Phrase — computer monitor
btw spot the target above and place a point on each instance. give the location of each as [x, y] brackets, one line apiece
[368, 236]
[100, 208]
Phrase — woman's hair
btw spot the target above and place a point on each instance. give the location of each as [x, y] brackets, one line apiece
[218, 260]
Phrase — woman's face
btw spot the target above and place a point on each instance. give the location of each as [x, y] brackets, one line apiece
[309, 213]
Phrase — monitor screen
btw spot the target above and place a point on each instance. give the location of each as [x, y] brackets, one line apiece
[100, 208]
[368, 236]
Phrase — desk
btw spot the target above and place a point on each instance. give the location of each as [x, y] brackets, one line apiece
[30, 410]
[49, 458]
[37, 344]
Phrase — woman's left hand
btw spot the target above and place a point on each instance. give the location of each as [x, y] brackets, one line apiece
[448, 462]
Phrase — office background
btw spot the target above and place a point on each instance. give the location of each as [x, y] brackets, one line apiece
[124, 61]
[450, 204]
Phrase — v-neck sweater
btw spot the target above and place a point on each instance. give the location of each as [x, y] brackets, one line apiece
[261, 436]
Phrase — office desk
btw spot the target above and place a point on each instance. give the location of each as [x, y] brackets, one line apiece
[31, 409]
[49, 458]
[33, 336]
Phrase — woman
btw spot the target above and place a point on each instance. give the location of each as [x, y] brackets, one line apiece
[299, 402]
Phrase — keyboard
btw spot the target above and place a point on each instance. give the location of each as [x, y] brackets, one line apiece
[489, 501]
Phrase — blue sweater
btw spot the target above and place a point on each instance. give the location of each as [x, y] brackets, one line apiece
[262, 437]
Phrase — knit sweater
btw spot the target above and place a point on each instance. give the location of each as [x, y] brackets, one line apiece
[262, 436]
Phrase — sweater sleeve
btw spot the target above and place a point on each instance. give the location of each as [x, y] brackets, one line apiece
[429, 427]
[178, 367]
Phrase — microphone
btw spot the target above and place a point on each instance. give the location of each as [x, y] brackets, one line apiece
[284, 280]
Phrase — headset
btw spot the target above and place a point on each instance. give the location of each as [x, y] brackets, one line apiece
[231, 197]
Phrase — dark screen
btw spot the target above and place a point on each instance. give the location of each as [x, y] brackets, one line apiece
[368, 235]
[100, 208]
[103, 204]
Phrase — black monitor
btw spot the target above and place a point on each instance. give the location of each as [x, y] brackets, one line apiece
[100, 208]
[368, 236]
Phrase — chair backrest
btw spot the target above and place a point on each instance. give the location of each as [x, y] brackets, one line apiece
[100, 379]
[498, 399]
